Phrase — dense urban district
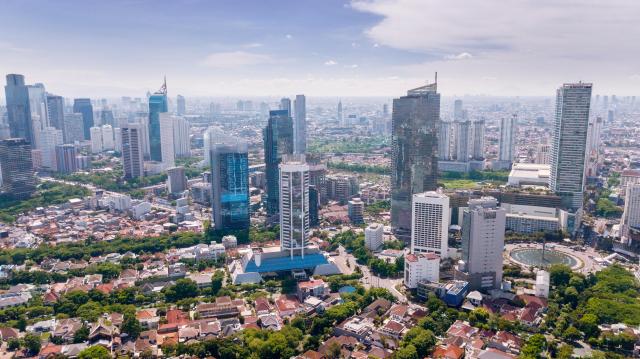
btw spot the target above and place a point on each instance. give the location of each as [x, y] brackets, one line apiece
[417, 227]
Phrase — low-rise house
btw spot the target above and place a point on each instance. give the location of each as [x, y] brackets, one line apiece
[356, 327]
[270, 321]
[449, 351]
[66, 329]
[393, 329]
[223, 307]
[314, 287]
[262, 306]
[287, 305]
[148, 318]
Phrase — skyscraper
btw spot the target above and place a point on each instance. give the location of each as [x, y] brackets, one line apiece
[18, 177]
[569, 143]
[167, 137]
[73, 128]
[463, 136]
[340, 114]
[230, 183]
[37, 105]
[278, 141]
[95, 134]
[66, 161]
[132, 157]
[157, 104]
[483, 227]
[430, 223]
[176, 180]
[285, 104]
[458, 114]
[83, 106]
[108, 142]
[477, 140]
[181, 106]
[55, 111]
[181, 139]
[300, 125]
[50, 137]
[631, 214]
[414, 158]
[294, 205]
[18, 108]
[444, 140]
[508, 130]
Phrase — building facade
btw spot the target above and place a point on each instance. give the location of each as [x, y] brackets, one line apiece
[294, 205]
[278, 142]
[300, 125]
[157, 104]
[132, 152]
[18, 177]
[430, 223]
[83, 106]
[66, 158]
[230, 184]
[18, 108]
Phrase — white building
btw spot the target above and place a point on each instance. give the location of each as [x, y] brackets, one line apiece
[167, 139]
[373, 236]
[419, 267]
[181, 139]
[119, 202]
[108, 142]
[140, 208]
[49, 138]
[430, 223]
[508, 130]
[631, 215]
[176, 180]
[300, 125]
[543, 154]
[96, 139]
[294, 204]
[211, 136]
[542, 284]
[483, 226]
[132, 151]
[529, 174]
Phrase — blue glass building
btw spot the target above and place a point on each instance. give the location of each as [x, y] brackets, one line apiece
[157, 104]
[230, 184]
[18, 109]
[83, 106]
[278, 141]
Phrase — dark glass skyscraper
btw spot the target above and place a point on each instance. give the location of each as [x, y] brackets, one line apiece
[84, 107]
[230, 184]
[278, 141]
[18, 177]
[55, 111]
[157, 104]
[18, 109]
[414, 158]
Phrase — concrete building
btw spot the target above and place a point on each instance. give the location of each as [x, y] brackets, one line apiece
[430, 223]
[543, 154]
[445, 134]
[373, 236]
[66, 161]
[463, 141]
[18, 177]
[414, 144]
[542, 284]
[527, 223]
[167, 143]
[176, 180]
[483, 227]
[49, 138]
[529, 174]
[570, 143]
[132, 152]
[420, 267]
[631, 214]
[181, 137]
[300, 125]
[181, 107]
[108, 138]
[477, 140]
[507, 142]
[73, 131]
[85, 109]
[294, 205]
[95, 133]
[355, 209]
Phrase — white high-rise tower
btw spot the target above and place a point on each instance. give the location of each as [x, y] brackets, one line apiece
[430, 223]
[294, 205]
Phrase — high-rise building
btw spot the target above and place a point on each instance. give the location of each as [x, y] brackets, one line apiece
[444, 140]
[66, 161]
[458, 111]
[18, 108]
[95, 133]
[108, 142]
[18, 177]
[508, 130]
[483, 227]
[341, 188]
[50, 137]
[285, 105]
[157, 104]
[340, 114]
[132, 157]
[181, 139]
[37, 104]
[430, 223]
[594, 134]
[463, 143]
[570, 143]
[414, 158]
[105, 117]
[55, 111]
[167, 137]
[300, 125]
[477, 143]
[73, 128]
[230, 183]
[314, 204]
[543, 153]
[317, 177]
[373, 236]
[294, 205]
[278, 142]
[420, 267]
[83, 106]
[210, 136]
[355, 210]
[176, 180]
[631, 214]
[181, 107]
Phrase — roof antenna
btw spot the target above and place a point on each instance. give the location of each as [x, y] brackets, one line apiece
[436, 78]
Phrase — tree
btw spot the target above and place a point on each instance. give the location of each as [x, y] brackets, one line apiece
[32, 343]
[81, 335]
[13, 344]
[588, 324]
[559, 274]
[334, 350]
[565, 351]
[95, 352]
[184, 288]
[408, 352]
[423, 340]
[217, 280]
[533, 346]
[131, 326]
[571, 334]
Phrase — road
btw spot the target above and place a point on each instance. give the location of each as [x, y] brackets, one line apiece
[368, 279]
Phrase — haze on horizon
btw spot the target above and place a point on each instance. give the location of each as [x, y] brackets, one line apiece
[321, 48]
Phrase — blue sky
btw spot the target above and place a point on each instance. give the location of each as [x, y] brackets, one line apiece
[322, 47]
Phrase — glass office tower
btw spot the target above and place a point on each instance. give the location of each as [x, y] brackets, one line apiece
[278, 141]
[230, 184]
[157, 104]
[83, 106]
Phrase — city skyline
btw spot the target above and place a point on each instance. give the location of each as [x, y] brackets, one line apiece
[330, 48]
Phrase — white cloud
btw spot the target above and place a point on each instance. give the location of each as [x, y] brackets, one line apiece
[288, 36]
[253, 45]
[353, 66]
[529, 46]
[460, 56]
[330, 63]
[235, 59]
